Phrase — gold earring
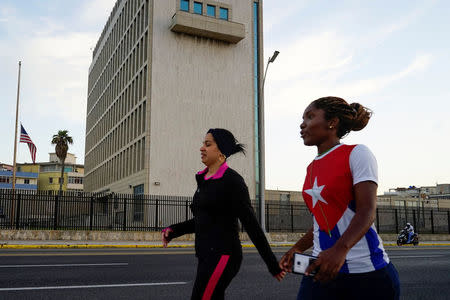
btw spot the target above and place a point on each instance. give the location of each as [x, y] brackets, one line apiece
[331, 127]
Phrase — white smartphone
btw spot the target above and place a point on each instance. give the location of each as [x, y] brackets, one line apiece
[301, 263]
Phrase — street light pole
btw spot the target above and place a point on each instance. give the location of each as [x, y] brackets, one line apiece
[271, 60]
[262, 184]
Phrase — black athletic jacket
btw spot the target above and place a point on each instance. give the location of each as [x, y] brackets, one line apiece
[217, 205]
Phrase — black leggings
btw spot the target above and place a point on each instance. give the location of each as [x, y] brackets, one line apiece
[214, 274]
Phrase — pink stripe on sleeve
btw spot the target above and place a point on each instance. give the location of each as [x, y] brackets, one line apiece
[215, 277]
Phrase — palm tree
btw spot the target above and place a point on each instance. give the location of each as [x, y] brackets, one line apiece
[62, 141]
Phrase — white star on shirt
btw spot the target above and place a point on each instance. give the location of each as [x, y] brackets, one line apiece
[315, 191]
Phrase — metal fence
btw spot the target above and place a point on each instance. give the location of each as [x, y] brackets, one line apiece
[91, 211]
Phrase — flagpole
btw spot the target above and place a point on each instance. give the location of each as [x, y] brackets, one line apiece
[15, 143]
[15, 135]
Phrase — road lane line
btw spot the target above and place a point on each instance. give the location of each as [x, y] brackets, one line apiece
[170, 252]
[63, 265]
[416, 256]
[96, 253]
[112, 253]
[89, 286]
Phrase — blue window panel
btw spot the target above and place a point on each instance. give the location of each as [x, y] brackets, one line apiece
[224, 13]
[211, 10]
[138, 189]
[198, 8]
[184, 5]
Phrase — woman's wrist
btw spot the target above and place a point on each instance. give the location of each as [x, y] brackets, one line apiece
[167, 228]
[342, 246]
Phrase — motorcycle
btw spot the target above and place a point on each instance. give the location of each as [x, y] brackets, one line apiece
[402, 239]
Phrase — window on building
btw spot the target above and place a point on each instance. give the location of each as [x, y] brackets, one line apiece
[26, 181]
[138, 205]
[59, 180]
[19, 169]
[198, 8]
[184, 5]
[50, 180]
[4, 179]
[76, 180]
[211, 10]
[223, 13]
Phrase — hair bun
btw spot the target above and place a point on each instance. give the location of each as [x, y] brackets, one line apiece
[226, 142]
[362, 116]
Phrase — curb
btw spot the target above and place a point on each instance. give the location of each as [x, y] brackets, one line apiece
[87, 246]
[93, 246]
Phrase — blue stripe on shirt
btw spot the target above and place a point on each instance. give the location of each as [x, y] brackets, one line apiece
[327, 242]
[376, 254]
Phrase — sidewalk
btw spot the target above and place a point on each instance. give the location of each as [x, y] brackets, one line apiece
[21, 244]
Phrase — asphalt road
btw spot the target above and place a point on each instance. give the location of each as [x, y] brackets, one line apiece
[168, 274]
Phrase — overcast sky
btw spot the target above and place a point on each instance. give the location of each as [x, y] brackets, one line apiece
[391, 56]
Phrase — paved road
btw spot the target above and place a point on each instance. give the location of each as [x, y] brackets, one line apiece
[168, 274]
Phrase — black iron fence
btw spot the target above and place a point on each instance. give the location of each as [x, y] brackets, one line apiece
[91, 211]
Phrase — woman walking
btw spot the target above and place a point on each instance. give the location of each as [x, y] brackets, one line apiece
[220, 200]
[340, 190]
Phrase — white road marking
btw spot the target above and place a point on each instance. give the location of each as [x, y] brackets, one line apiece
[89, 286]
[418, 256]
[63, 265]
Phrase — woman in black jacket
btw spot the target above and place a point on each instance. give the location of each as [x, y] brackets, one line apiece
[220, 200]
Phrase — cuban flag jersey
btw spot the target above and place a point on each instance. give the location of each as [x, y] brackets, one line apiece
[328, 193]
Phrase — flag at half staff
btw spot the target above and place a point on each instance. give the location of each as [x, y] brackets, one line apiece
[24, 138]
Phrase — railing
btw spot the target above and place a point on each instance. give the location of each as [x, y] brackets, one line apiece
[90, 211]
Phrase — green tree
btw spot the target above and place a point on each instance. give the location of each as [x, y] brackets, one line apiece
[62, 141]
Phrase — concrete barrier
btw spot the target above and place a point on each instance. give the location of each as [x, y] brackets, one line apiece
[85, 235]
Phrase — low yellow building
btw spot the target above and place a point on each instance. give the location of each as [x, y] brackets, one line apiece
[50, 172]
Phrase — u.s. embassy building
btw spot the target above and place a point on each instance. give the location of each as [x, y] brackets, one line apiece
[163, 72]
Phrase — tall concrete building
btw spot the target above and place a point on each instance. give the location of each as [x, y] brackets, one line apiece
[163, 72]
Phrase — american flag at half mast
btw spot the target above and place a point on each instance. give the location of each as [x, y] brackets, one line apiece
[24, 138]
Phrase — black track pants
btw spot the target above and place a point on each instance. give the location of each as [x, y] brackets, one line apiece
[214, 274]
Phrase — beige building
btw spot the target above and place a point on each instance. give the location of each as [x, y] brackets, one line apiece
[163, 72]
[281, 196]
[48, 173]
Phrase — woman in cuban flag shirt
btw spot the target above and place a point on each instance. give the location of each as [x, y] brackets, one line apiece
[340, 190]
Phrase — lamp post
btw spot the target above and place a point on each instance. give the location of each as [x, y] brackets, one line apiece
[271, 60]
[262, 185]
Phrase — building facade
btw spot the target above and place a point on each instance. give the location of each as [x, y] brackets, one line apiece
[437, 196]
[284, 197]
[162, 74]
[24, 180]
[49, 173]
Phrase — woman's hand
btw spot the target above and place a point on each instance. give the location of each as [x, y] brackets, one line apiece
[287, 260]
[327, 264]
[165, 236]
[280, 275]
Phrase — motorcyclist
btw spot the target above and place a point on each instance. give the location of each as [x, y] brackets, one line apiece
[409, 229]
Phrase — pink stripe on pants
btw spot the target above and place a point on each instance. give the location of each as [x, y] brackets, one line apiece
[215, 277]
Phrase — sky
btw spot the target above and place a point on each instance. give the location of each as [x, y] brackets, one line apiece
[390, 56]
